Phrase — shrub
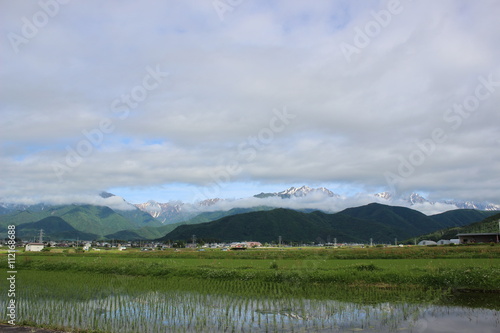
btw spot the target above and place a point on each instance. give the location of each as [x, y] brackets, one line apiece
[274, 265]
[369, 267]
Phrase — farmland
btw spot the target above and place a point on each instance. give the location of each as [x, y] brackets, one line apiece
[258, 289]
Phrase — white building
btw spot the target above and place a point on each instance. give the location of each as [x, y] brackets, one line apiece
[427, 242]
[448, 241]
[34, 247]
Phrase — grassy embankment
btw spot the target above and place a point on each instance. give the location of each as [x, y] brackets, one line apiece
[462, 267]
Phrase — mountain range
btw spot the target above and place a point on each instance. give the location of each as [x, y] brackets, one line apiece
[302, 198]
[294, 197]
[381, 223]
[93, 221]
[114, 217]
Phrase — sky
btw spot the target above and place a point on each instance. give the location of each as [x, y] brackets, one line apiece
[198, 99]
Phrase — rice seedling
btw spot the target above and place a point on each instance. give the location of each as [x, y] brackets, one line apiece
[252, 291]
[109, 303]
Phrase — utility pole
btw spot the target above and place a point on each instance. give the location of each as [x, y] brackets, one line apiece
[40, 238]
[279, 241]
[371, 242]
[396, 241]
[335, 241]
[498, 235]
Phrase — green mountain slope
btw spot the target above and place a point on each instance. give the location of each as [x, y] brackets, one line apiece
[54, 228]
[380, 222]
[264, 226]
[21, 217]
[405, 220]
[360, 230]
[461, 217]
[489, 224]
[98, 220]
[154, 232]
[139, 218]
[101, 220]
[212, 216]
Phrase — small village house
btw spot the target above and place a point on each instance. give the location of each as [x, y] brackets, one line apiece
[34, 247]
[487, 237]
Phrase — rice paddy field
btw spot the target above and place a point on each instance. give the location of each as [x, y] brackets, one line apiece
[263, 290]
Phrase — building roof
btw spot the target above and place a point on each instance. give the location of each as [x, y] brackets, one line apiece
[480, 234]
[35, 244]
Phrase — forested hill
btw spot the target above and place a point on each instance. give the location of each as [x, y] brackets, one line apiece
[380, 222]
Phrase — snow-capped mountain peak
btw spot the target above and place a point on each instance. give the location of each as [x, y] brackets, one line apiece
[416, 198]
[473, 205]
[298, 192]
[157, 209]
[384, 195]
[209, 202]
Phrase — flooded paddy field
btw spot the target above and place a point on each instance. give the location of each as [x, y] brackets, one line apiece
[142, 304]
[150, 294]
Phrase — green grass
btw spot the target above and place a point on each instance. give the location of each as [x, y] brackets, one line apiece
[116, 303]
[445, 268]
[294, 253]
[110, 291]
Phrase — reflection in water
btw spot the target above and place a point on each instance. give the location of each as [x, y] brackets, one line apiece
[456, 319]
[176, 311]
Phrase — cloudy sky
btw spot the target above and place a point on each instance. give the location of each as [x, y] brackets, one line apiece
[194, 99]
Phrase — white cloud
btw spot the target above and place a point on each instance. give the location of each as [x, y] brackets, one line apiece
[324, 203]
[354, 120]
